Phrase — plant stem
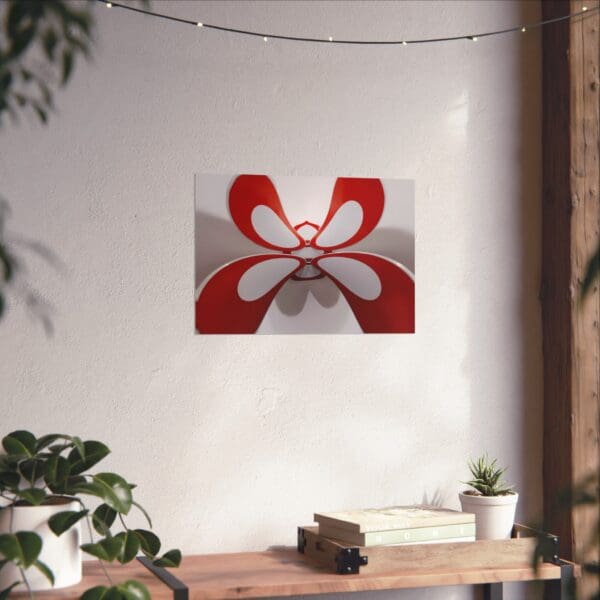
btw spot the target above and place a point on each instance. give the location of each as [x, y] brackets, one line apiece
[26, 583]
[89, 524]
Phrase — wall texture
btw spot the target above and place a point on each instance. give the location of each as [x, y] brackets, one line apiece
[234, 441]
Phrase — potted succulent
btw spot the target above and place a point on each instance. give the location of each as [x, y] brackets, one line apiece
[44, 483]
[491, 500]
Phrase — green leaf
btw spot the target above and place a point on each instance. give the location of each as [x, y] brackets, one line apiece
[107, 549]
[172, 558]
[67, 65]
[5, 593]
[21, 443]
[45, 570]
[57, 473]
[41, 113]
[141, 508]
[22, 547]
[149, 542]
[115, 491]
[63, 521]
[592, 272]
[103, 518]
[46, 440]
[128, 590]
[50, 39]
[9, 480]
[34, 496]
[32, 469]
[79, 445]
[131, 546]
[95, 593]
[133, 590]
[93, 452]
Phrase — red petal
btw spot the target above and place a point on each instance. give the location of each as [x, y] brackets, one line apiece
[247, 194]
[393, 310]
[219, 307]
[368, 194]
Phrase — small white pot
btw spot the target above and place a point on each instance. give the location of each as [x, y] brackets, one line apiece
[494, 515]
[61, 553]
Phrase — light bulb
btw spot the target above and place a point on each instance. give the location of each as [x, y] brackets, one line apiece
[404, 43]
[523, 29]
[584, 8]
[330, 39]
[474, 38]
[266, 39]
[200, 24]
[108, 5]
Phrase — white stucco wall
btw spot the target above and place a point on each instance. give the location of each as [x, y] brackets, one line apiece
[233, 441]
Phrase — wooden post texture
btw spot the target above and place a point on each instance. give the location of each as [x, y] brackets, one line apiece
[571, 233]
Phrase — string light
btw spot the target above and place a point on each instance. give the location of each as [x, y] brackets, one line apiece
[330, 39]
[265, 39]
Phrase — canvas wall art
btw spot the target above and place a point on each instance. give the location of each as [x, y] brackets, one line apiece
[317, 255]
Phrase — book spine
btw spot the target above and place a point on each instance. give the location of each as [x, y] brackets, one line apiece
[394, 525]
[401, 536]
[419, 534]
[448, 541]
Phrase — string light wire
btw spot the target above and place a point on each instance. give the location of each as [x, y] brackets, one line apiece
[330, 40]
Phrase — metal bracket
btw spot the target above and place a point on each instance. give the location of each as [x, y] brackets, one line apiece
[301, 540]
[349, 561]
[548, 543]
[180, 590]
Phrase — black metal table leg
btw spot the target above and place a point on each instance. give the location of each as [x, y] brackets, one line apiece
[563, 588]
[492, 591]
[180, 590]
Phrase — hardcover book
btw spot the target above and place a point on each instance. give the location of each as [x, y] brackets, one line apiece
[393, 517]
[400, 536]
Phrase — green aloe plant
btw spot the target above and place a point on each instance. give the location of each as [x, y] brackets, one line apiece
[34, 471]
[487, 477]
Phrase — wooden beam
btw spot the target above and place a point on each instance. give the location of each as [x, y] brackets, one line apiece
[571, 234]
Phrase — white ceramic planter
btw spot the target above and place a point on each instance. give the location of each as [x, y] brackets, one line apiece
[494, 515]
[61, 553]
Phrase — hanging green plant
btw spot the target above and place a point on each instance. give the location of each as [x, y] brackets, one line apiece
[54, 470]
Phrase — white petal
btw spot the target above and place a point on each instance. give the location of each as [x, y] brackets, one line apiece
[355, 275]
[264, 276]
[345, 223]
[271, 228]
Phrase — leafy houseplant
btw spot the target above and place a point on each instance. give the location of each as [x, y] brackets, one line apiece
[490, 498]
[50, 473]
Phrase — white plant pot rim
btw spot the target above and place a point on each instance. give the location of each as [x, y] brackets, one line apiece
[503, 500]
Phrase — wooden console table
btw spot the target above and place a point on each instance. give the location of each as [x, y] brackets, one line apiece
[285, 572]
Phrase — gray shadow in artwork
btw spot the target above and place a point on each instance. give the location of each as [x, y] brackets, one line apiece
[217, 242]
[293, 295]
[397, 244]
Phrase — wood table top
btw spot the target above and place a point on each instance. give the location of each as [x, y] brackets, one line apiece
[285, 572]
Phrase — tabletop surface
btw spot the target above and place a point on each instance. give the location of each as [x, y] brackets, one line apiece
[285, 572]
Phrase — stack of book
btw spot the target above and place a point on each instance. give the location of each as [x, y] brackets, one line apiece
[417, 524]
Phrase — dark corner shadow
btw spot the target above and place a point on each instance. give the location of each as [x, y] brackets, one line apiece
[525, 308]
[530, 230]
